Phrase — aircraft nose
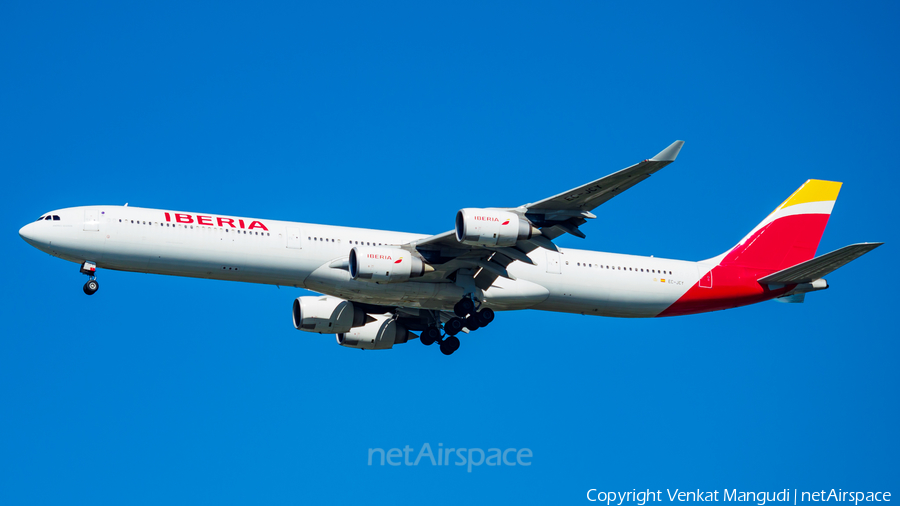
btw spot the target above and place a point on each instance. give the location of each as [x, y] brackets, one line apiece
[29, 234]
[24, 232]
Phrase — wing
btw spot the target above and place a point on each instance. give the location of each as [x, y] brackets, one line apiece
[591, 195]
[553, 216]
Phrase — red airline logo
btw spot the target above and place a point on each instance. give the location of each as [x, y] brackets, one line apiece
[383, 257]
[200, 219]
[489, 218]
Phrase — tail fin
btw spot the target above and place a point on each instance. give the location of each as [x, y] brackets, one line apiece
[791, 233]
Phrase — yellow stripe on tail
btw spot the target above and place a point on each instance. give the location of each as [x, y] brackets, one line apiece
[813, 190]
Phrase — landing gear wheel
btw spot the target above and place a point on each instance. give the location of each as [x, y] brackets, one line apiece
[449, 345]
[464, 307]
[472, 322]
[453, 326]
[430, 335]
[485, 316]
[91, 286]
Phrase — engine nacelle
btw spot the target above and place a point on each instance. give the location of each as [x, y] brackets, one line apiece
[326, 315]
[381, 334]
[385, 265]
[492, 227]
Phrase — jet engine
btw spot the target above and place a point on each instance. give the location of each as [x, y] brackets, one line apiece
[326, 315]
[385, 265]
[380, 334]
[492, 227]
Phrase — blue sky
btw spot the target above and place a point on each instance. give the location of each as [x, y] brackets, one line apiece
[395, 116]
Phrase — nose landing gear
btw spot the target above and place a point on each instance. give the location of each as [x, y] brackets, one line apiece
[91, 286]
[90, 269]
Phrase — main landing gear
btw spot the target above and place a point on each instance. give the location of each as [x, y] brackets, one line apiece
[467, 316]
[448, 343]
[90, 268]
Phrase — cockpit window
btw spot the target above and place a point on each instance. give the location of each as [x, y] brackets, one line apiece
[39, 219]
[55, 218]
[48, 217]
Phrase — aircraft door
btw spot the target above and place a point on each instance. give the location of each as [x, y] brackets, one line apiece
[91, 220]
[293, 238]
[552, 262]
[706, 281]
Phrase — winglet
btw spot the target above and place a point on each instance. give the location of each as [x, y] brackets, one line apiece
[669, 154]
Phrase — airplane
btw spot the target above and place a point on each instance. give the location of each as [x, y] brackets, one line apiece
[379, 288]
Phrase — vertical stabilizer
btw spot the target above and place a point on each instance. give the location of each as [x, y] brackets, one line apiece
[791, 233]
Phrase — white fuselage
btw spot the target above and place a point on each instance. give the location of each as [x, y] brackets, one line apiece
[301, 255]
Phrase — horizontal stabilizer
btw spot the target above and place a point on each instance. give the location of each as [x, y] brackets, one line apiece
[810, 270]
